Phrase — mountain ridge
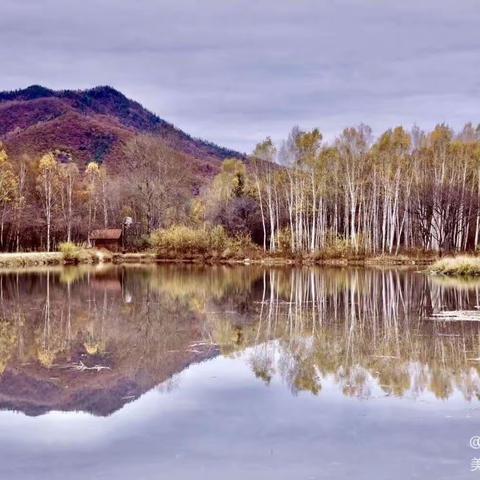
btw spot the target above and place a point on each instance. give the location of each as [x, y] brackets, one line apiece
[91, 124]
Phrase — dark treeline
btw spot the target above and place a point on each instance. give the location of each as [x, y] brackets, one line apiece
[403, 191]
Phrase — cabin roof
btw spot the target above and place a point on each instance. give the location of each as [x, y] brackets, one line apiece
[106, 234]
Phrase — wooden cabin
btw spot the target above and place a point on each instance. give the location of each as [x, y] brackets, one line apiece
[109, 238]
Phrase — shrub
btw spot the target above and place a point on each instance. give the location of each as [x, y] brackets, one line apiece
[70, 251]
[73, 253]
[218, 238]
[181, 240]
[140, 243]
[242, 243]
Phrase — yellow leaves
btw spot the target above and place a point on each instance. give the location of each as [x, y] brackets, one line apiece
[198, 211]
[8, 337]
[401, 139]
[230, 182]
[393, 142]
[265, 150]
[47, 163]
[185, 240]
[8, 178]
[48, 180]
[441, 136]
[96, 174]
[46, 357]
[232, 166]
[92, 168]
[308, 144]
[55, 174]
[94, 346]
[3, 155]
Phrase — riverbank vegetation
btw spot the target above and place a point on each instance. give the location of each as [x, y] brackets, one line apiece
[464, 265]
[406, 192]
[73, 253]
[30, 259]
[183, 242]
[68, 253]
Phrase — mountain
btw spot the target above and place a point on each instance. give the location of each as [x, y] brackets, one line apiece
[137, 348]
[90, 124]
[35, 390]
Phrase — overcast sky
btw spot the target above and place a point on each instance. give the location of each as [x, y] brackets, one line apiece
[236, 71]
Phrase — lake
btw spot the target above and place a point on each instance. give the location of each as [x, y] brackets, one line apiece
[245, 372]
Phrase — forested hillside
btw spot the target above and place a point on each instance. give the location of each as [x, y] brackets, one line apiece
[90, 125]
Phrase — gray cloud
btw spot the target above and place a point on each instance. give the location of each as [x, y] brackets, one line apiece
[235, 71]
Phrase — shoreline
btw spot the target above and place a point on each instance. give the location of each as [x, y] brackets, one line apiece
[29, 259]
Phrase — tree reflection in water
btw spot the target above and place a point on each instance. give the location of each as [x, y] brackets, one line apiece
[367, 327]
[94, 338]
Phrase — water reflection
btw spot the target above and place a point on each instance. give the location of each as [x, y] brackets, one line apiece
[95, 338]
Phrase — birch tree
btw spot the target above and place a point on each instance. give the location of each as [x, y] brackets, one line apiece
[8, 186]
[69, 175]
[48, 179]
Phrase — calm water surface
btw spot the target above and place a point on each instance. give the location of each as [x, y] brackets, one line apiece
[237, 373]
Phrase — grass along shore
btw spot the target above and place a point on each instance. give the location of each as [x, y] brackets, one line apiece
[95, 256]
[30, 259]
[183, 244]
[462, 265]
